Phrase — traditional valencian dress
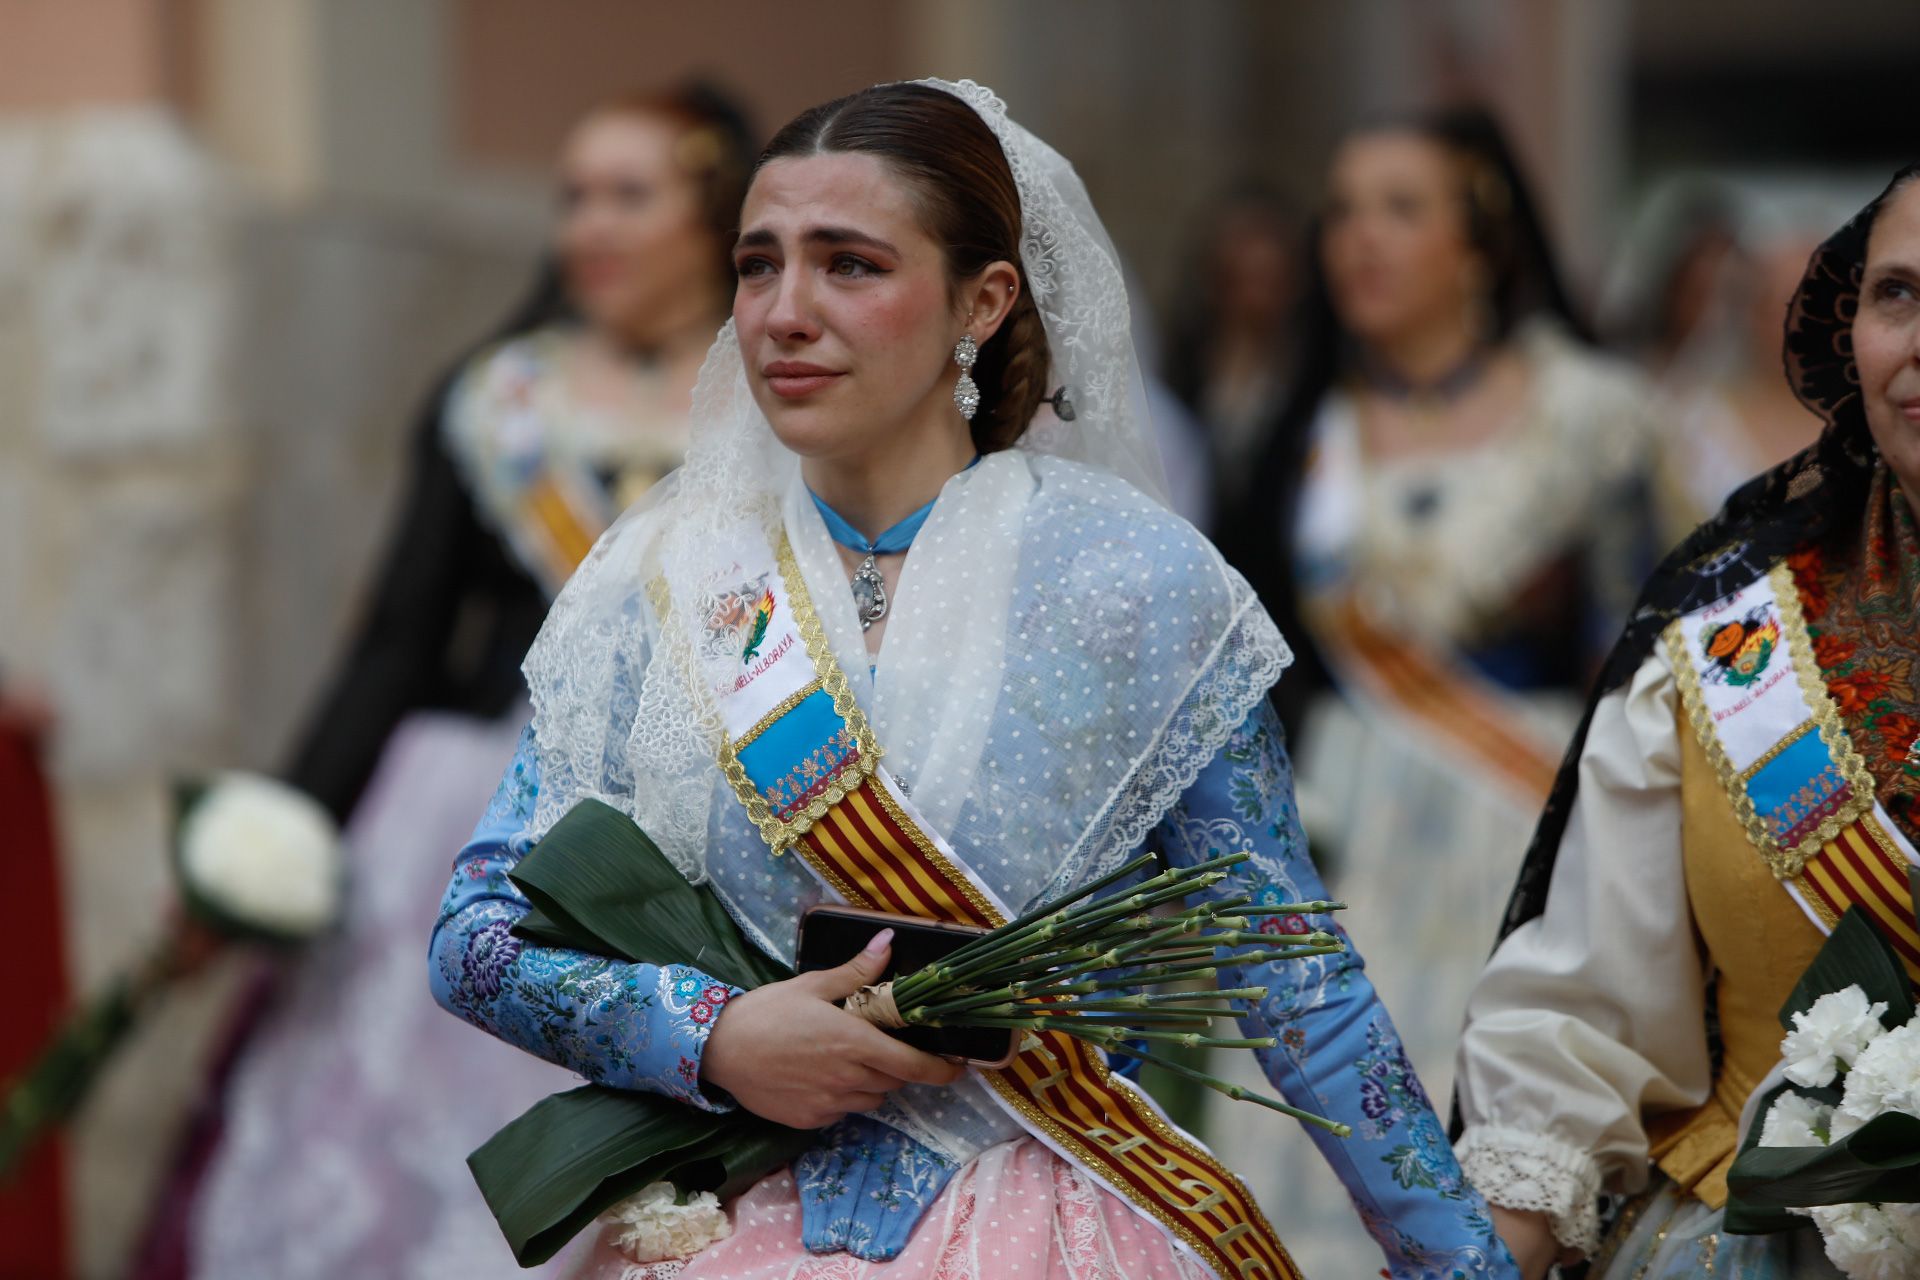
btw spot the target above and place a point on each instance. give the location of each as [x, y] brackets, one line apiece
[352, 1067]
[1455, 600]
[1070, 673]
[1747, 774]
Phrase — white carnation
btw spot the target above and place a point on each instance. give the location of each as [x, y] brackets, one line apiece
[1886, 1076]
[1865, 1243]
[263, 854]
[1829, 1036]
[1842, 1125]
[1795, 1121]
[650, 1226]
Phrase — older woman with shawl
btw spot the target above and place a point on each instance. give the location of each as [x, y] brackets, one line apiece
[1747, 773]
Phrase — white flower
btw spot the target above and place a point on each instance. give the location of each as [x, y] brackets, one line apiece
[1795, 1121]
[1842, 1125]
[264, 854]
[1865, 1243]
[650, 1226]
[1830, 1035]
[1886, 1076]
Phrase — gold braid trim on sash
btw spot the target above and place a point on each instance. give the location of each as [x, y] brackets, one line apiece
[1785, 863]
[781, 834]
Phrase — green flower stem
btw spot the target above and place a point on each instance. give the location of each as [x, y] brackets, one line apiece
[1123, 1004]
[1073, 1011]
[917, 988]
[1201, 964]
[1234, 1091]
[1153, 999]
[57, 1083]
[1209, 872]
[1061, 904]
[1107, 1035]
[1062, 913]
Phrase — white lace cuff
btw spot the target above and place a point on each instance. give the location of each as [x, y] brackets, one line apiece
[1517, 1169]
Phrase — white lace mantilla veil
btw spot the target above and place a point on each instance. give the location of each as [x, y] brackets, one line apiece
[1063, 656]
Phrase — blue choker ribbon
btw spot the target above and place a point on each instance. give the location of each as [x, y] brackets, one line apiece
[890, 543]
[869, 590]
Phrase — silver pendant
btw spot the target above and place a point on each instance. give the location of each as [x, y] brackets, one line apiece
[869, 593]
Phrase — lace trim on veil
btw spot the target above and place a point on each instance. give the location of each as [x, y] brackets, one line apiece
[1246, 663]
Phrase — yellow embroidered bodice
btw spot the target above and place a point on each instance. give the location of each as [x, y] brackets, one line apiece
[1759, 942]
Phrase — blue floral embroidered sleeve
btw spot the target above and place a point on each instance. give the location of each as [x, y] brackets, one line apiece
[627, 1026]
[1339, 1055]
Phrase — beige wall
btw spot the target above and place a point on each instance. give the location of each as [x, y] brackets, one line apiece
[524, 72]
[64, 53]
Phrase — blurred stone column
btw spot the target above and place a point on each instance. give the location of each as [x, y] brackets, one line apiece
[120, 471]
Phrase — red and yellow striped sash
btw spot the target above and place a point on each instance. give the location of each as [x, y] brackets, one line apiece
[872, 852]
[1862, 867]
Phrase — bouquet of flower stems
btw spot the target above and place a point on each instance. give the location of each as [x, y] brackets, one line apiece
[1114, 969]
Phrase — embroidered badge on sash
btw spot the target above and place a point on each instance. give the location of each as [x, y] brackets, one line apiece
[1778, 744]
[736, 619]
[1738, 652]
[757, 628]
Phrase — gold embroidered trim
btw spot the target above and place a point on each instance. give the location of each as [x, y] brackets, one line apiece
[781, 834]
[1687, 676]
[1826, 713]
[1817, 904]
[1786, 864]
[1077, 1143]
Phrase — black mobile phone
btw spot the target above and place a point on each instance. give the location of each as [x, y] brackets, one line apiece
[832, 935]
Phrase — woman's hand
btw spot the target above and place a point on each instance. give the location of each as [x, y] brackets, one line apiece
[789, 1053]
[1529, 1238]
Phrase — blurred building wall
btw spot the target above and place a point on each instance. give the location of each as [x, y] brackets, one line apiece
[122, 461]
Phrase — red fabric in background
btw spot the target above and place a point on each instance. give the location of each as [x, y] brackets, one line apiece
[33, 1208]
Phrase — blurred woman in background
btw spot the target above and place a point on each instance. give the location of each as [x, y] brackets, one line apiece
[1229, 356]
[1446, 517]
[1730, 414]
[353, 1101]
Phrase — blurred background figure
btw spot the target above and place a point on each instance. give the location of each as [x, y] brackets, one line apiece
[1663, 286]
[1445, 514]
[1700, 290]
[524, 454]
[1230, 351]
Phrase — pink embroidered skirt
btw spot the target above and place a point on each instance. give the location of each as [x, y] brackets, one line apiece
[1017, 1212]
